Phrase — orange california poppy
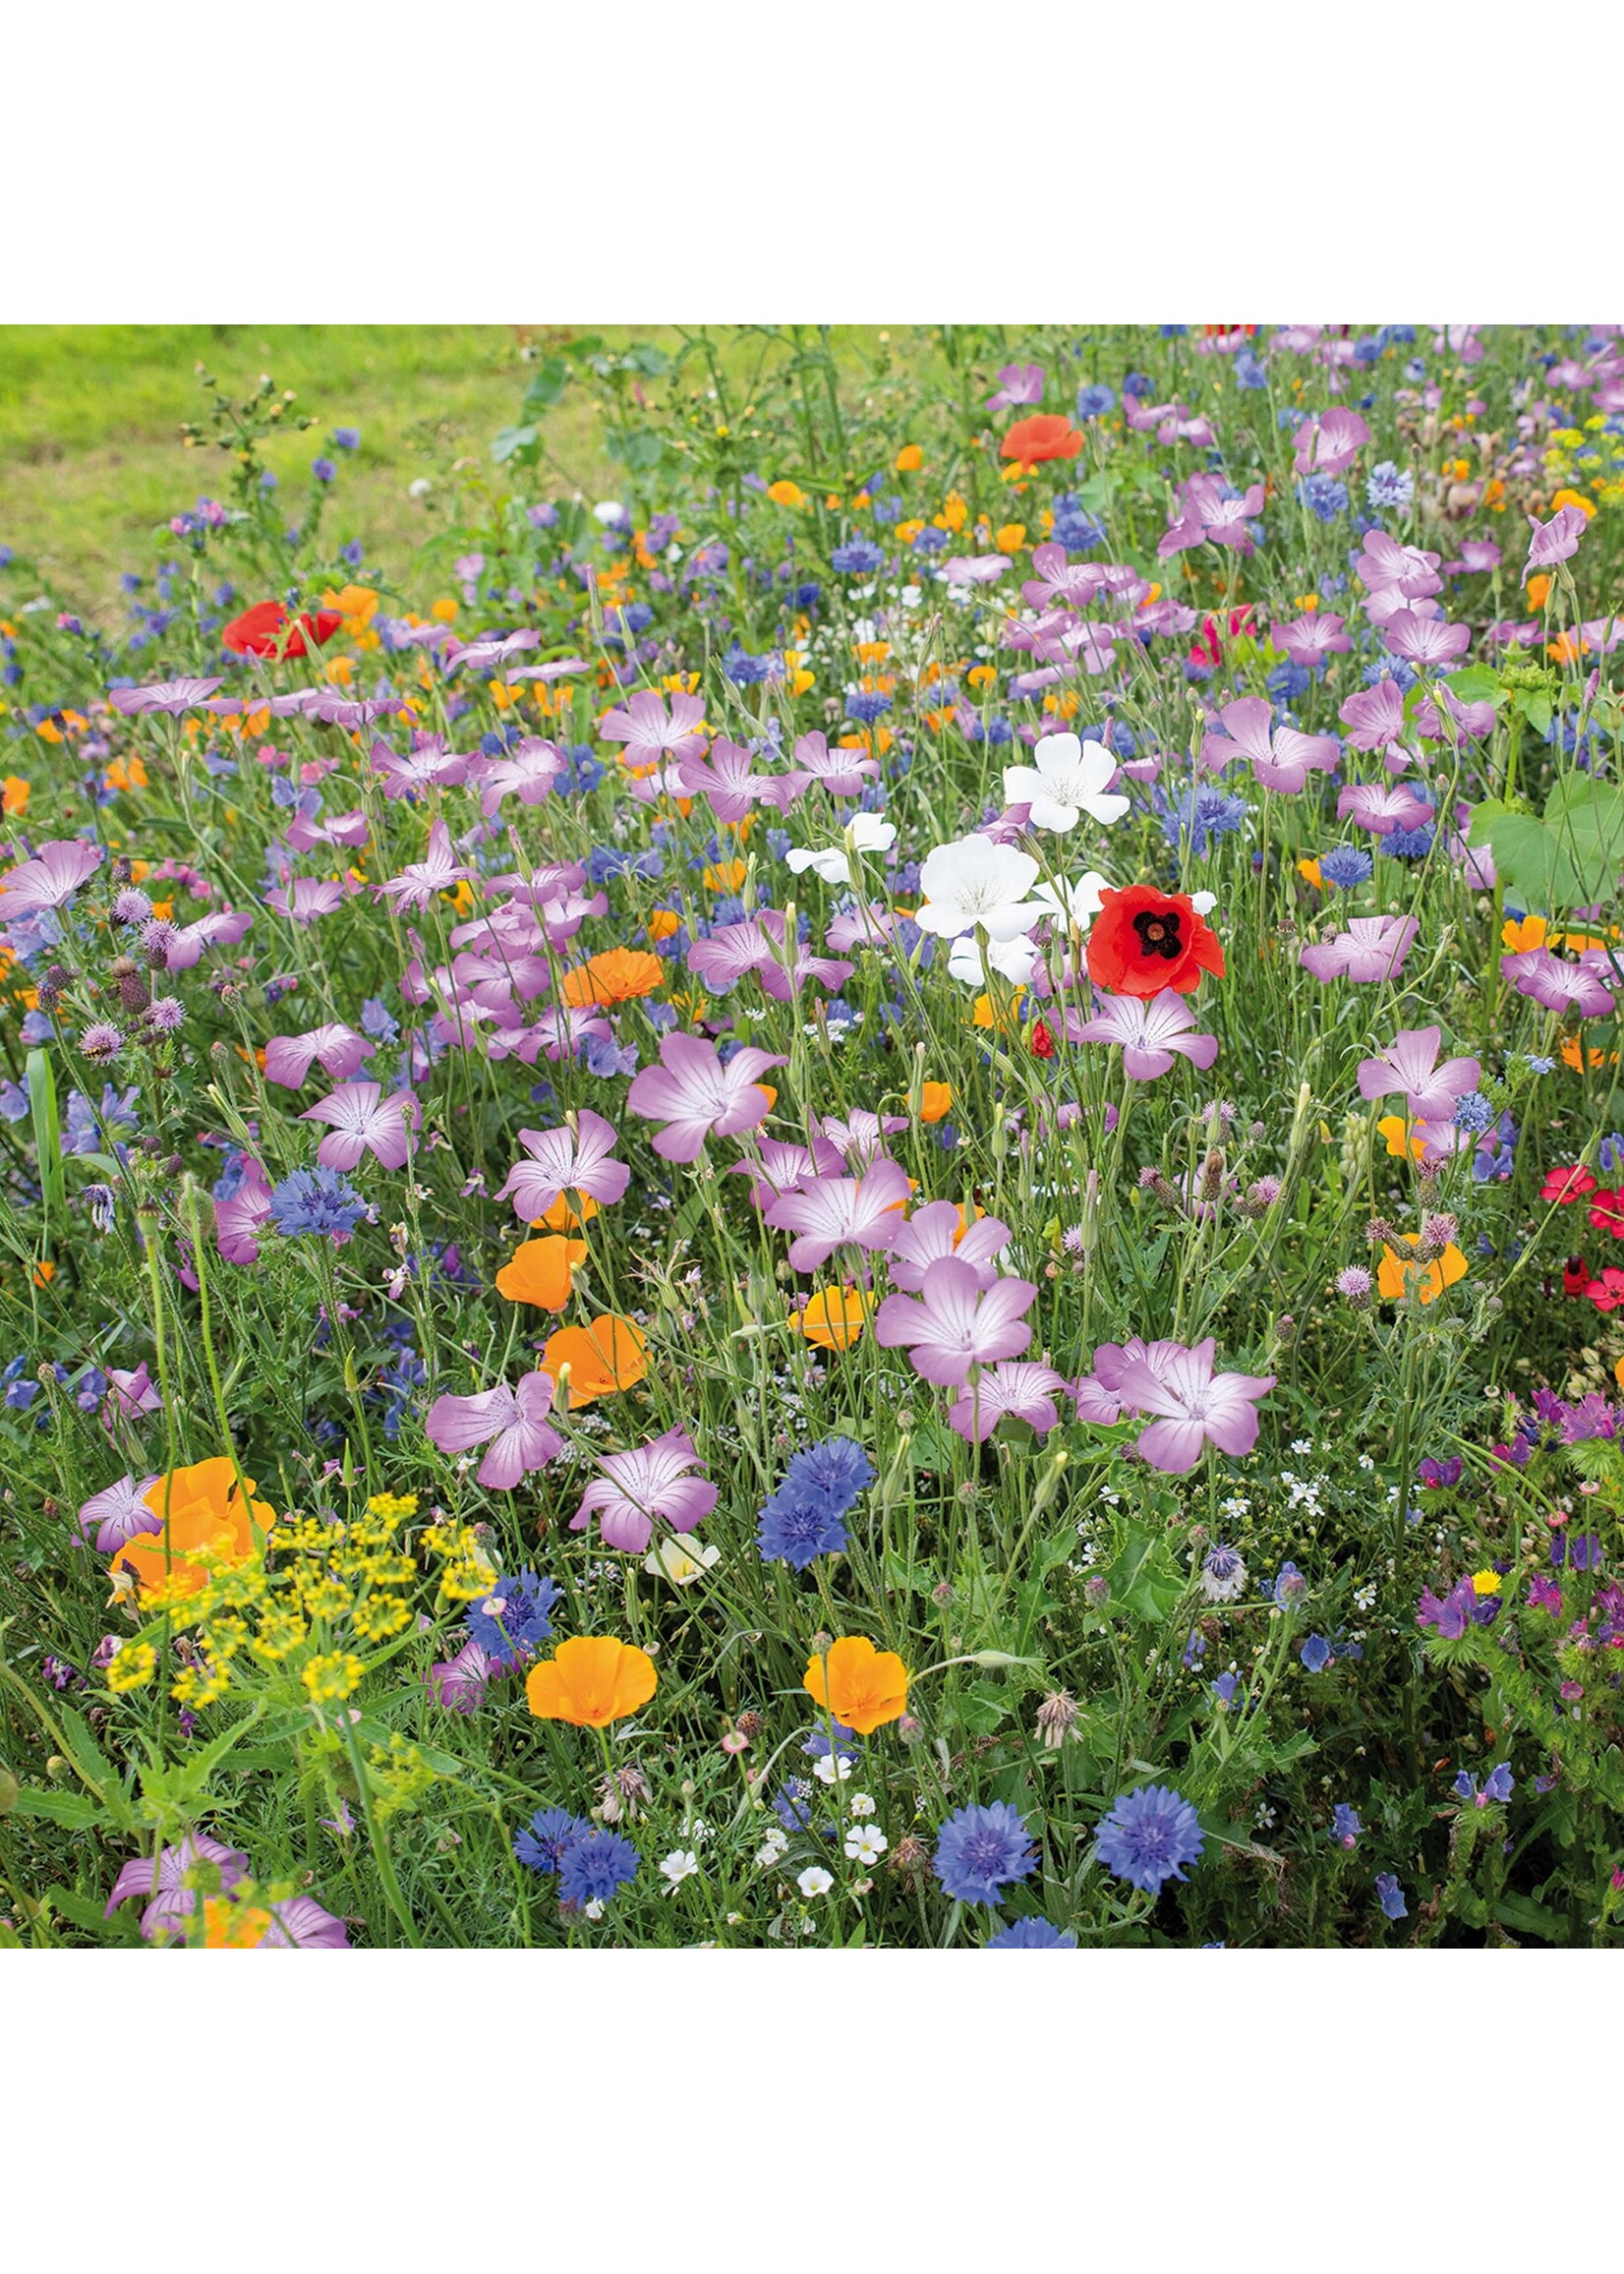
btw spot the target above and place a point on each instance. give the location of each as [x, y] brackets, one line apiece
[935, 1101]
[1396, 1277]
[1031, 440]
[1400, 1138]
[859, 1685]
[541, 1271]
[565, 1215]
[590, 1680]
[618, 976]
[205, 1509]
[611, 1354]
[834, 1317]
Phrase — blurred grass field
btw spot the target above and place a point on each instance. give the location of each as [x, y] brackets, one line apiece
[90, 456]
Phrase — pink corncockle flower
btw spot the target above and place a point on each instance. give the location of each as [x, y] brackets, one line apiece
[1149, 1032]
[1206, 517]
[1281, 758]
[647, 730]
[438, 871]
[1017, 383]
[336, 710]
[973, 882]
[120, 1514]
[1019, 1388]
[365, 1121]
[866, 926]
[1381, 807]
[1097, 1394]
[339, 1051]
[842, 773]
[968, 568]
[727, 781]
[697, 1097]
[556, 1035]
[170, 696]
[1068, 779]
[350, 829]
[494, 648]
[757, 945]
[860, 1137]
[239, 1221]
[1372, 948]
[1472, 720]
[1426, 639]
[224, 928]
[1386, 565]
[1558, 985]
[130, 1394]
[938, 1230]
[1554, 540]
[955, 1324]
[1194, 1407]
[308, 899]
[1060, 582]
[1478, 556]
[1329, 441]
[568, 1161]
[830, 1212]
[459, 1684]
[52, 877]
[561, 668]
[172, 1905]
[1375, 716]
[1171, 421]
[635, 1489]
[1308, 640]
[512, 1422]
[427, 765]
[527, 771]
[1410, 1064]
[779, 1168]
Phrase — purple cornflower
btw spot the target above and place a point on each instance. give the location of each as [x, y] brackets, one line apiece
[546, 1839]
[1149, 1837]
[1345, 1826]
[1031, 1934]
[594, 1868]
[979, 1849]
[510, 1622]
[1390, 1896]
[804, 1518]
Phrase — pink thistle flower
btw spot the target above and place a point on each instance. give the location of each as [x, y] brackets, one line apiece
[831, 1212]
[636, 1487]
[364, 1120]
[512, 1422]
[565, 1160]
[954, 1324]
[697, 1097]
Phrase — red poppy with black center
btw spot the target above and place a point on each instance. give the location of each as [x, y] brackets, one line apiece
[262, 630]
[1144, 940]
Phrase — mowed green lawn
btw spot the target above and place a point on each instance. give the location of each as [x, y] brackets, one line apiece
[90, 456]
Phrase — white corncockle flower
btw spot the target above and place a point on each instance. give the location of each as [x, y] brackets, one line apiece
[832, 1765]
[1011, 960]
[866, 1844]
[864, 832]
[1068, 780]
[861, 1803]
[1074, 903]
[815, 1880]
[681, 1562]
[974, 882]
[679, 1865]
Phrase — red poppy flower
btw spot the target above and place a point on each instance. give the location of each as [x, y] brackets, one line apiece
[1607, 1292]
[1576, 1275]
[1607, 1211]
[1043, 1042]
[1031, 440]
[1206, 649]
[258, 630]
[1565, 1185]
[1143, 941]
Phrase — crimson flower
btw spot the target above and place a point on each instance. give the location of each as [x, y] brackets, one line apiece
[262, 630]
[1143, 941]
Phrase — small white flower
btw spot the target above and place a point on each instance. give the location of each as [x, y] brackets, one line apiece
[1068, 780]
[681, 1562]
[679, 1865]
[594, 1909]
[862, 1804]
[1075, 904]
[1014, 960]
[815, 1880]
[974, 882]
[766, 1856]
[864, 832]
[1203, 902]
[829, 1766]
[611, 513]
[866, 1844]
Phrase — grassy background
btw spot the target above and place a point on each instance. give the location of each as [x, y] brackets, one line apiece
[91, 457]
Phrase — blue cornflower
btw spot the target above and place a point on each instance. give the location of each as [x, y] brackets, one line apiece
[1540, 1064]
[551, 1832]
[1610, 1156]
[1288, 682]
[323, 469]
[378, 1020]
[516, 1616]
[978, 1849]
[865, 705]
[1386, 485]
[1205, 812]
[1473, 1113]
[1315, 1653]
[747, 670]
[858, 556]
[1031, 1934]
[1345, 1825]
[1075, 528]
[789, 1805]
[346, 439]
[1390, 1896]
[1323, 494]
[1409, 843]
[1346, 866]
[1290, 1586]
[595, 1866]
[796, 1531]
[837, 1469]
[1249, 375]
[1149, 1835]
[316, 1200]
[816, 1743]
[1094, 403]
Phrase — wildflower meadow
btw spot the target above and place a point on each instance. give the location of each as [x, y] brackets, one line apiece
[865, 1191]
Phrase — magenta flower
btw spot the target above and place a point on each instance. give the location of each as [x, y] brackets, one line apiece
[692, 1091]
[346, 829]
[307, 899]
[427, 765]
[420, 880]
[1206, 517]
[647, 728]
[239, 1221]
[120, 1514]
[831, 1212]
[1554, 540]
[338, 1049]
[1098, 1394]
[1061, 582]
[572, 1160]
[459, 1684]
[1281, 760]
[528, 770]
[1022, 1388]
[953, 1324]
[860, 1137]
[723, 956]
[1149, 1032]
[54, 875]
[365, 1121]
[1375, 717]
[1329, 441]
[299, 1923]
[170, 696]
[1372, 948]
[173, 1904]
[842, 773]
[778, 1167]
[130, 1394]
[512, 1422]
[1308, 640]
[494, 648]
[1381, 807]
[1017, 383]
[1410, 1064]
[223, 929]
[726, 779]
[1194, 1406]
[1558, 985]
[1387, 566]
[636, 1487]
[1472, 720]
[1426, 639]
[937, 1231]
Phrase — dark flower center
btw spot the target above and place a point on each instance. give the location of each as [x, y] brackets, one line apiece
[1158, 930]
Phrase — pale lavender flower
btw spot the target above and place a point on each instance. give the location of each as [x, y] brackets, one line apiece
[53, 876]
[364, 1120]
[338, 1049]
[1554, 540]
[1018, 385]
[119, 1513]
[223, 929]
[954, 1324]
[1557, 984]
[1381, 807]
[1408, 1064]
[1020, 1387]
[170, 696]
[512, 1422]
[420, 880]
[647, 728]
[831, 1212]
[1329, 440]
[1194, 1406]
[697, 1097]
[1281, 759]
[564, 1160]
[1426, 639]
[635, 1488]
[1308, 640]
[528, 770]
[1149, 1032]
[937, 1231]
[1372, 948]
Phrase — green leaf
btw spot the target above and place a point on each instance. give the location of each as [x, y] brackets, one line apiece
[515, 442]
[1536, 709]
[552, 376]
[47, 1140]
[638, 448]
[74, 1811]
[79, 1910]
[1570, 858]
[1143, 1578]
[1478, 683]
[1523, 1916]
